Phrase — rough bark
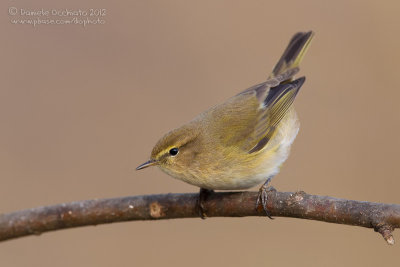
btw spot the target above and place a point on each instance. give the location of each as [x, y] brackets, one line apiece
[383, 218]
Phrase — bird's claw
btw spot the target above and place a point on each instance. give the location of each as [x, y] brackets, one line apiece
[262, 197]
[204, 193]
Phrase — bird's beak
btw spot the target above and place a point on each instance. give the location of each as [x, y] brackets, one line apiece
[147, 164]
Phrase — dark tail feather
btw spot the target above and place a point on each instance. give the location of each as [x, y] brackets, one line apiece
[294, 53]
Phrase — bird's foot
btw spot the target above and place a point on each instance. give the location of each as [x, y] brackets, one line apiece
[262, 197]
[204, 193]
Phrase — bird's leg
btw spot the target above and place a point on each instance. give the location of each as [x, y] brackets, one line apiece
[263, 197]
[204, 193]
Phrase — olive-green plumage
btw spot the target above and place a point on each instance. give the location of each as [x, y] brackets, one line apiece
[243, 141]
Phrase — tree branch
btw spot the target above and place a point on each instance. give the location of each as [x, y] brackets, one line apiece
[383, 218]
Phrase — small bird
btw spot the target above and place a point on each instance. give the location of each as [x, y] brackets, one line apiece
[241, 142]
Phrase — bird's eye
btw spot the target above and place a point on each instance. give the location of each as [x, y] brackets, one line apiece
[174, 151]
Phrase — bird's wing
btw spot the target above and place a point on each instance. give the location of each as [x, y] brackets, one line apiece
[277, 104]
[242, 122]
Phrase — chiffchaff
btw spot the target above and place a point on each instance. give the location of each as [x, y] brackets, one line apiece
[243, 141]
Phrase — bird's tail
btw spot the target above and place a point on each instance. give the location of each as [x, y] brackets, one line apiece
[293, 54]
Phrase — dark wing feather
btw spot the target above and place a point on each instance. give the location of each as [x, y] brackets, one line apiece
[277, 103]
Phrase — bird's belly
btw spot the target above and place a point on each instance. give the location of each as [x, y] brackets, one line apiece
[237, 179]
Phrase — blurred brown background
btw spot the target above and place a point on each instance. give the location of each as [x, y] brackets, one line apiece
[80, 108]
